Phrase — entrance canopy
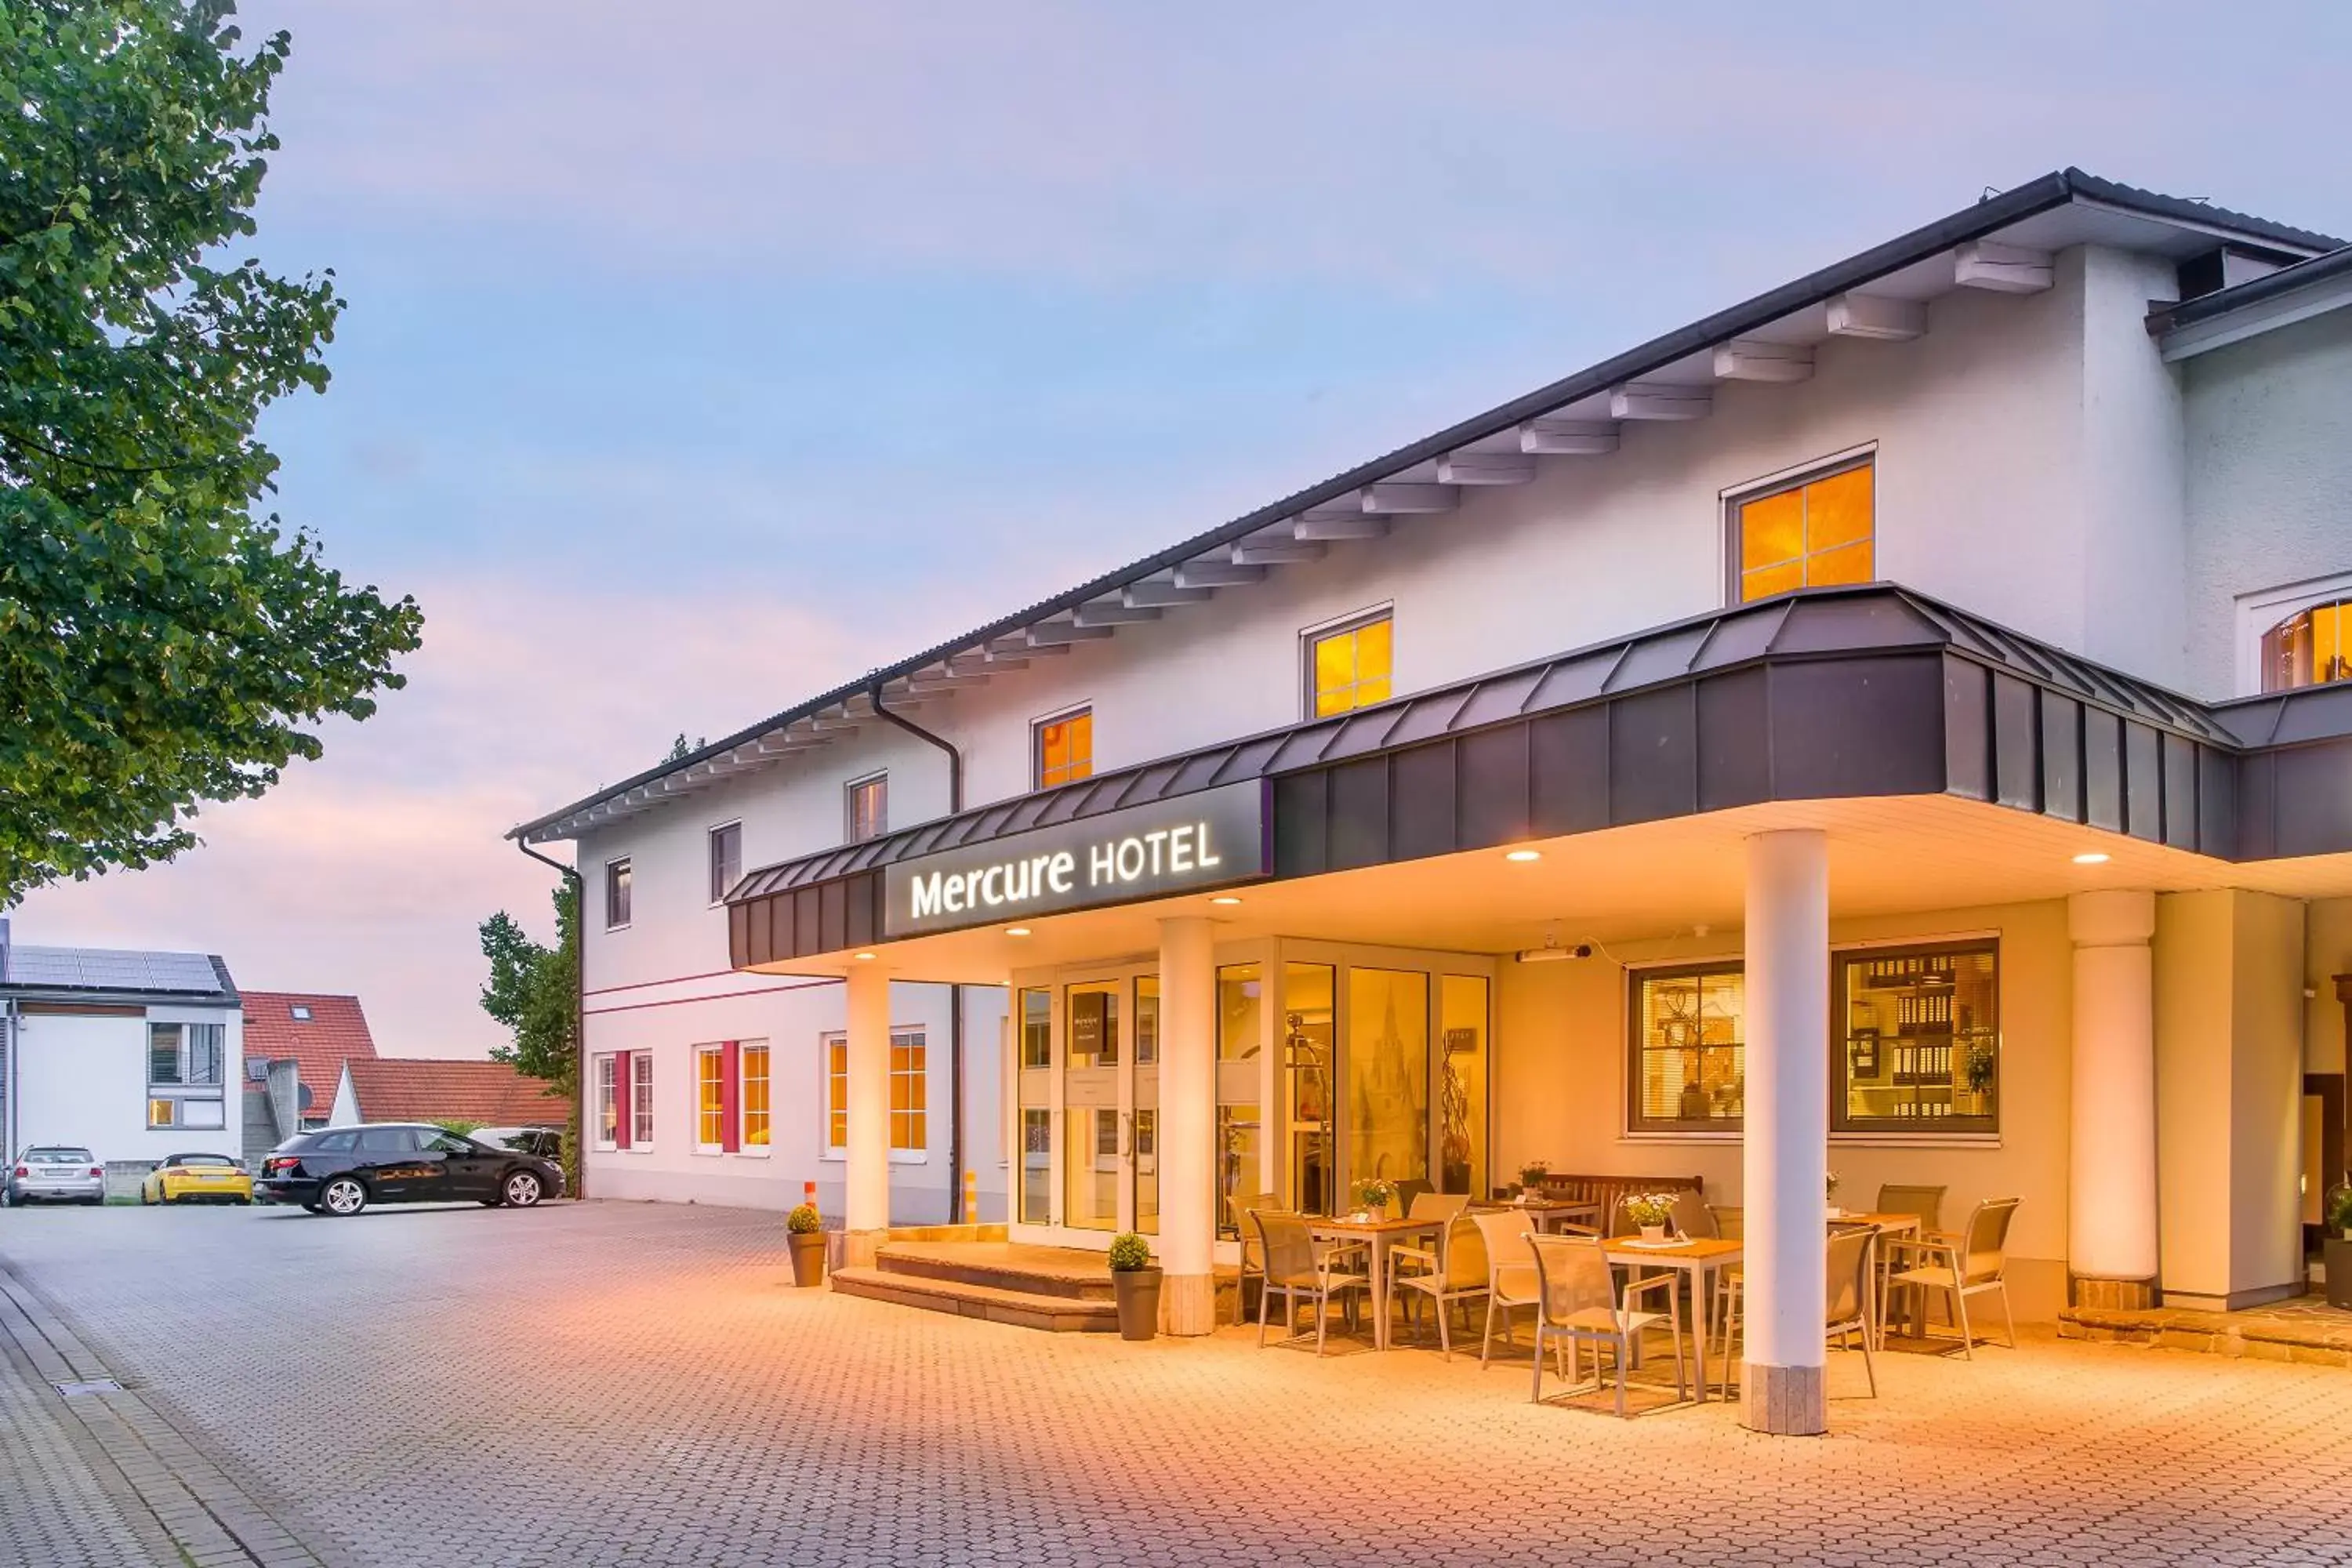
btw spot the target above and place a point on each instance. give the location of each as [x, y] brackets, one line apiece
[1955, 763]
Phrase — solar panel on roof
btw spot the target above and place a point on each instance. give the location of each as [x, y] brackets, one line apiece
[110, 969]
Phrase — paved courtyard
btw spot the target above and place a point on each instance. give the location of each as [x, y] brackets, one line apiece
[625, 1384]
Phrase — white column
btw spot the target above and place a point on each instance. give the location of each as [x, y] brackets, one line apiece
[867, 1217]
[2111, 1214]
[1188, 1097]
[1785, 1158]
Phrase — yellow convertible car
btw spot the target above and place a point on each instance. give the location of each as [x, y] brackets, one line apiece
[197, 1178]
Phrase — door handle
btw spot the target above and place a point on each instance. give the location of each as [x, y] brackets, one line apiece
[1125, 1135]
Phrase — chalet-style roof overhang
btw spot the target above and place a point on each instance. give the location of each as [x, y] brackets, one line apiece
[1832, 693]
[2002, 244]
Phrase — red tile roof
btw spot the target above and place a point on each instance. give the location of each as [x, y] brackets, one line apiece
[335, 1032]
[417, 1090]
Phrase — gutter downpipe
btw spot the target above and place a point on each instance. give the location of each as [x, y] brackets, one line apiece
[955, 990]
[579, 1172]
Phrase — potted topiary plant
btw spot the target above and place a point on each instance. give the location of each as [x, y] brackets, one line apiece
[1135, 1285]
[1650, 1211]
[805, 1228]
[2335, 1246]
[1531, 1178]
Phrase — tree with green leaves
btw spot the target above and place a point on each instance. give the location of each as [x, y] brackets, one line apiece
[164, 642]
[534, 991]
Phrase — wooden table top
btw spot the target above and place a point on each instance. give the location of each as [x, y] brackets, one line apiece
[1699, 1249]
[1383, 1226]
[1882, 1221]
[1540, 1205]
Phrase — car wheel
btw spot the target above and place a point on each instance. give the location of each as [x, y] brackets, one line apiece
[522, 1190]
[343, 1196]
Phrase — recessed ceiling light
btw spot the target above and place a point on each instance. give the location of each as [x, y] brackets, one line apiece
[1016, 930]
[1524, 855]
[2091, 858]
[1225, 899]
[865, 958]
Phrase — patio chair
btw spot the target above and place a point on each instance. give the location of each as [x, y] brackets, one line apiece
[1726, 1223]
[1409, 1192]
[1510, 1271]
[1580, 1301]
[1439, 1209]
[1924, 1204]
[1852, 1285]
[1295, 1266]
[1460, 1272]
[1252, 1246]
[1975, 1262]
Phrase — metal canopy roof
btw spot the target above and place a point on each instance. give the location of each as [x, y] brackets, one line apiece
[2001, 243]
[1816, 622]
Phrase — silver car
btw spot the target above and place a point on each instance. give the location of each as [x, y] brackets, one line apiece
[55, 1174]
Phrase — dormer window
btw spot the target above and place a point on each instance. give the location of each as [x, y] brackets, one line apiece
[2311, 648]
[1813, 533]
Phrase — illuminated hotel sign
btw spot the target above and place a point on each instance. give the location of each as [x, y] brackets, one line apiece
[1184, 844]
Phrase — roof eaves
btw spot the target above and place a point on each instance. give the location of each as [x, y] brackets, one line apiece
[1986, 216]
[2318, 270]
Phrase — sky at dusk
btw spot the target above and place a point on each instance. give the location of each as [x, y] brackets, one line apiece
[683, 332]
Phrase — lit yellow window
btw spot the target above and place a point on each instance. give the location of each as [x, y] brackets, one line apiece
[836, 1092]
[908, 1103]
[710, 1097]
[1065, 749]
[2310, 648]
[754, 1069]
[1808, 536]
[1349, 669]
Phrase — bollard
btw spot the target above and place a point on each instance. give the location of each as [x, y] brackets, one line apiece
[971, 1197]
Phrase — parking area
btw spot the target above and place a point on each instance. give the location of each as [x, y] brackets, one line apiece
[634, 1384]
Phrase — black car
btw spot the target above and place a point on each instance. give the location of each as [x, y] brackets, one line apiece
[342, 1170]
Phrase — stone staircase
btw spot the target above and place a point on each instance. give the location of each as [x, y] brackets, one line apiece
[1059, 1289]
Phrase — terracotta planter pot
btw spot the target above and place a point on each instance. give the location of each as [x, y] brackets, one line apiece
[2335, 1257]
[808, 1258]
[1136, 1290]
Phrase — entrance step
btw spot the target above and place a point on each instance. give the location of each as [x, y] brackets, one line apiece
[945, 1232]
[1060, 1314]
[2301, 1329]
[1062, 1272]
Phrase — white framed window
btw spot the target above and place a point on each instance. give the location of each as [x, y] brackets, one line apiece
[617, 893]
[710, 1098]
[606, 1127]
[726, 858]
[1349, 664]
[1814, 529]
[641, 1100]
[186, 1064]
[754, 1090]
[910, 1095]
[2296, 636]
[1062, 747]
[866, 807]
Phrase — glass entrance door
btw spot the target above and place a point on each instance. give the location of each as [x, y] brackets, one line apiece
[1092, 1150]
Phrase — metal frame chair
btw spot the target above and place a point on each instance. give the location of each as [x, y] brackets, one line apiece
[1296, 1266]
[1510, 1271]
[1252, 1246]
[1578, 1297]
[1458, 1271]
[1974, 1262]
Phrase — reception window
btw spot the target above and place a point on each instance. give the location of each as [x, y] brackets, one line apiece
[1350, 666]
[1688, 1068]
[1919, 1046]
[2311, 648]
[1806, 535]
[1064, 749]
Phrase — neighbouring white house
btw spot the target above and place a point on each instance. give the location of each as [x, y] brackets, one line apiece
[133, 1055]
[1899, 724]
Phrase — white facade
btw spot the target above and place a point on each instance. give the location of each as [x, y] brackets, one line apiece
[2039, 457]
[96, 1059]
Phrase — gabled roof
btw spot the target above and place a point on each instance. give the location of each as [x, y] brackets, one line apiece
[335, 1032]
[1872, 294]
[494, 1094]
[179, 976]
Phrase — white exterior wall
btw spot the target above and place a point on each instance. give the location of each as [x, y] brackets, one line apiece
[2268, 427]
[83, 1080]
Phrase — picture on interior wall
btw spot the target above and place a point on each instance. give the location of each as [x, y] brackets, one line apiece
[1455, 1145]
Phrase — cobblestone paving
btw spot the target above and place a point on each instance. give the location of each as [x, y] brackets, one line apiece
[624, 1383]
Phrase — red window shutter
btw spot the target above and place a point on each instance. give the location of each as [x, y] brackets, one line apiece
[731, 1095]
[623, 1121]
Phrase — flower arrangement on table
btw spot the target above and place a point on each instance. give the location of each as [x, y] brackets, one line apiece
[1373, 1192]
[1650, 1211]
[1532, 1177]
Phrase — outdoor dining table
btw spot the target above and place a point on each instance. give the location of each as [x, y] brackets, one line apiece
[1885, 1224]
[1546, 1213]
[1378, 1234]
[1699, 1257]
